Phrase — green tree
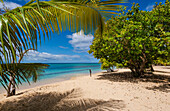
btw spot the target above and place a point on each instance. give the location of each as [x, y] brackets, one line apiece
[135, 39]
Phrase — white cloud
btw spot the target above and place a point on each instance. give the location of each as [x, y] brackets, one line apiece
[149, 7]
[10, 5]
[43, 56]
[80, 41]
[63, 47]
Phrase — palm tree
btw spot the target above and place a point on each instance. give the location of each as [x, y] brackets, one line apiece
[23, 26]
[16, 73]
[23, 72]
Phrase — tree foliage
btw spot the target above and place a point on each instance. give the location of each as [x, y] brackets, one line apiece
[15, 73]
[135, 39]
[21, 72]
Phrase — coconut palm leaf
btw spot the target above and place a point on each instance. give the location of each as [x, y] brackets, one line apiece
[21, 72]
[23, 26]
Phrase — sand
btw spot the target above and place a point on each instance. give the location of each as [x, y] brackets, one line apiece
[116, 91]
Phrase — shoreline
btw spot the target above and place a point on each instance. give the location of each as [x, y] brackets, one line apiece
[49, 82]
[44, 82]
[114, 91]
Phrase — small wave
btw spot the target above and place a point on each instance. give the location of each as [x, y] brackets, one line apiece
[65, 72]
[70, 67]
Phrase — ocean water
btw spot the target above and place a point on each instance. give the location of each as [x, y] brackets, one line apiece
[69, 70]
[65, 71]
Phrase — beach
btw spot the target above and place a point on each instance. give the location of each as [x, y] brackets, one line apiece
[105, 91]
[57, 72]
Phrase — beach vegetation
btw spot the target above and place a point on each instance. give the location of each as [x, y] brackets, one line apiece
[135, 39]
[16, 73]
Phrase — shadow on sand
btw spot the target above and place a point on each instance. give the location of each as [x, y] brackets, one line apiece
[68, 101]
[163, 87]
[127, 77]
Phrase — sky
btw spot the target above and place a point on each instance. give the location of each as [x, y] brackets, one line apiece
[68, 47]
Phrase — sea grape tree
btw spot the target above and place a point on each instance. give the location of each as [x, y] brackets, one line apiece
[135, 39]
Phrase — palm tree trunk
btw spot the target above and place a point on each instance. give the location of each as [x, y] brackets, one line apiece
[9, 88]
[13, 87]
[13, 92]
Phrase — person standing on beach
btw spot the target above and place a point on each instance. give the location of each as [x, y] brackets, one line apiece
[90, 72]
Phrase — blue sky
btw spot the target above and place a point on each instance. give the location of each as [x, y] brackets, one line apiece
[68, 47]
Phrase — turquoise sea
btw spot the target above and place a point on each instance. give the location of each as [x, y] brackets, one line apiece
[65, 71]
[69, 69]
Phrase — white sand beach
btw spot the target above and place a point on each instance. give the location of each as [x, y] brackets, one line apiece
[115, 91]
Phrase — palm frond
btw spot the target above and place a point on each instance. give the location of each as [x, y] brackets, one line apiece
[21, 72]
[22, 27]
